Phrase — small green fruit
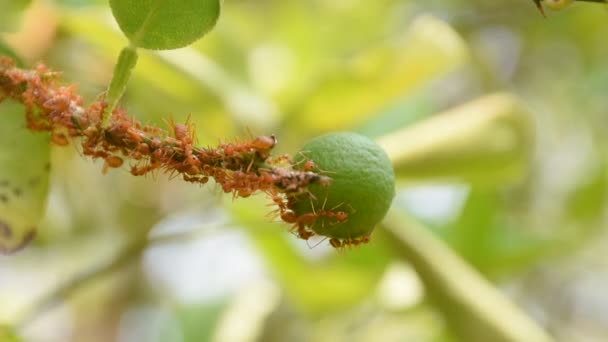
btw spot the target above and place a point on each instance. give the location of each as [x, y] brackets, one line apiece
[362, 186]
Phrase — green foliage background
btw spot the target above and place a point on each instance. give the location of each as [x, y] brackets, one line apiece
[531, 220]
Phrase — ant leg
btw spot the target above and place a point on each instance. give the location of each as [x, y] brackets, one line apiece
[316, 244]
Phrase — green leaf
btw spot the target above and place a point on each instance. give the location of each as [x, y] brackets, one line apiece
[165, 24]
[24, 178]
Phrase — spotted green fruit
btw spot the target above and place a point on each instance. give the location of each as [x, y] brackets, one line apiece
[363, 184]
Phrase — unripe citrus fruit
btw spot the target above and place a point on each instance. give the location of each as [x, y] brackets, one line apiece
[361, 190]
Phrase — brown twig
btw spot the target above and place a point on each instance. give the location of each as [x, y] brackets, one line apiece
[241, 168]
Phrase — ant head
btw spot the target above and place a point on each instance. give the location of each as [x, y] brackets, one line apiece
[264, 142]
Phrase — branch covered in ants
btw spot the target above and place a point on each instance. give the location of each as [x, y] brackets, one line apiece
[241, 168]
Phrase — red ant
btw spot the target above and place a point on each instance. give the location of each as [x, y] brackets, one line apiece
[264, 143]
[57, 104]
[303, 233]
[340, 216]
[342, 243]
[59, 139]
[309, 165]
[299, 228]
[113, 162]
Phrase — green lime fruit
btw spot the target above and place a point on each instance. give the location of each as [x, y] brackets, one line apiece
[362, 185]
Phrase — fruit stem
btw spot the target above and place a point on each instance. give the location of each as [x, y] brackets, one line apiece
[122, 72]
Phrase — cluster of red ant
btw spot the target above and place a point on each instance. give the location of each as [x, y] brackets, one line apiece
[301, 225]
[241, 168]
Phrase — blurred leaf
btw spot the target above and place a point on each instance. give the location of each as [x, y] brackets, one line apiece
[198, 322]
[10, 13]
[171, 82]
[588, 201]
[165, 24]
[402, 113]
[7, 334]
[469, 235]
[82, 3]
[361, 87]
[485, 141]
[24, 178]
[476, 310]
[89, 25]
[317, 287]
[7, 51]
[244, 103]
[490, 241]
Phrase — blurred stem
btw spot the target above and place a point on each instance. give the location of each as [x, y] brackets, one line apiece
[484, 141]
[475, 309]
[130, 252]
[122, 72]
